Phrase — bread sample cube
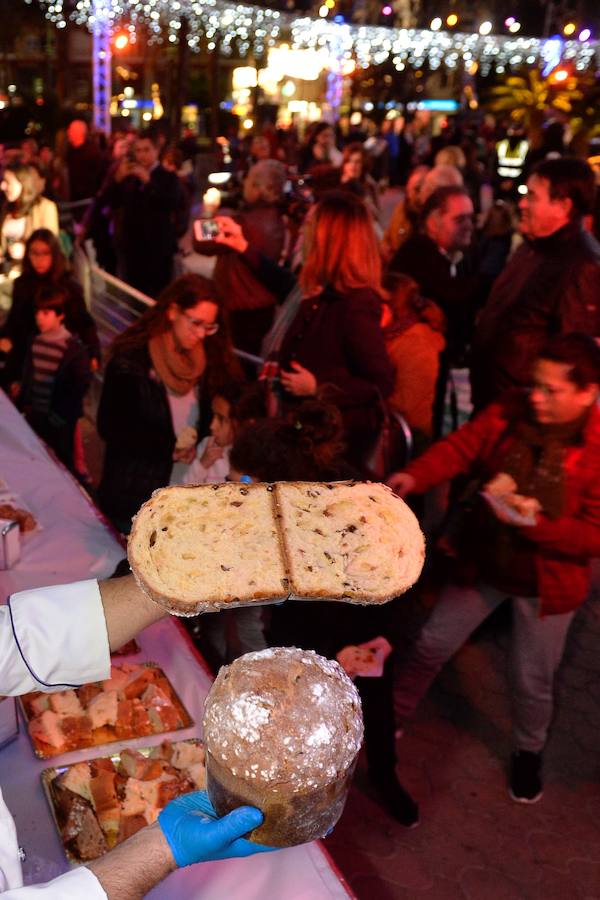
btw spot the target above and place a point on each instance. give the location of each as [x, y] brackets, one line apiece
[198, 549]
[282, 731]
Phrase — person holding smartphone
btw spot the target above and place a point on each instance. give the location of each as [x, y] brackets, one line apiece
[250, 302]
[148, 197]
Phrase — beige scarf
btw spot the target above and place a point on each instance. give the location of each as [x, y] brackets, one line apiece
[180, 370]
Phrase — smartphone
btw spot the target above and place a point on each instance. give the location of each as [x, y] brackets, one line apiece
[206, 229]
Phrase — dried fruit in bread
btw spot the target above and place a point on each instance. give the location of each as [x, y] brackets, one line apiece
[209, 547]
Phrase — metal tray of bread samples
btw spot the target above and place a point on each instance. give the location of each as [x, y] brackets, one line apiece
[107, 734]
[48, 777]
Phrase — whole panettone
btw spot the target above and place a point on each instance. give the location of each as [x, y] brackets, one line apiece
[282, 729]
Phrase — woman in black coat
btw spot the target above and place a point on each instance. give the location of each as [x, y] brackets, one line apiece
[158, 383]
[335, 344]
[44, 265]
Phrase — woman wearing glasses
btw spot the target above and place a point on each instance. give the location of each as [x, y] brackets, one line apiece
[44, 265]
[334, 344]
[161, 375]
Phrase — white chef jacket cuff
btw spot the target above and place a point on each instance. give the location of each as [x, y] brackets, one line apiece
[61, 635]
[72, 885]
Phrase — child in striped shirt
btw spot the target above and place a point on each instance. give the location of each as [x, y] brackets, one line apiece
[56, 376]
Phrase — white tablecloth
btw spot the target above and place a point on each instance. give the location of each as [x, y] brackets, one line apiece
[74, 544]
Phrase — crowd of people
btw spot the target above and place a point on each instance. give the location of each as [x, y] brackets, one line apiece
[361, 325]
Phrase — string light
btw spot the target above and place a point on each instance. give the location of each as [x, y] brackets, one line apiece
[241, 29]
[452, 20]
[121, 40]
[569, 29]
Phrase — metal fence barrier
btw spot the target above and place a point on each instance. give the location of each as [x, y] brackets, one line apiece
[115, 305]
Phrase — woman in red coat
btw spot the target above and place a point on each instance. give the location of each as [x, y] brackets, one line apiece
[547, 451]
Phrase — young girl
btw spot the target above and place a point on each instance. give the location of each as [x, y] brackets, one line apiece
[224, 637]
[212, 456]
[235, 404]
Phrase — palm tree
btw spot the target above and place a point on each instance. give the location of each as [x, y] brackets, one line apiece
[585, 118]
[527, 97]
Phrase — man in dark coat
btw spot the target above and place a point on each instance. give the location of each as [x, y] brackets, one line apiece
[550, 286]
[250, 303]
[86, 164]
[148, 197]
[440, 260]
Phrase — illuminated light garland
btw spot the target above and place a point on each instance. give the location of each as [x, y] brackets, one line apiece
[255, 28]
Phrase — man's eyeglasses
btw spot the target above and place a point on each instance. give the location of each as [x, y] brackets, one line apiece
[208, 328]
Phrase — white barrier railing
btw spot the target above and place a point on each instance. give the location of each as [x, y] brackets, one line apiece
[114, 304]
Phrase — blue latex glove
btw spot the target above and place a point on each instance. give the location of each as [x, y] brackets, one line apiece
[195, 834]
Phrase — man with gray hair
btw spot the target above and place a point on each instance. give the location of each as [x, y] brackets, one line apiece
[551, 284]
[251, 304]
[438, 258]
[85, 163]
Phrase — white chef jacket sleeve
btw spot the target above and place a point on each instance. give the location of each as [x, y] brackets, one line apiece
[53, 638]
[73, 885]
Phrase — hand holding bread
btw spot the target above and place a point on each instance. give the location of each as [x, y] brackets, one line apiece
[509, 506]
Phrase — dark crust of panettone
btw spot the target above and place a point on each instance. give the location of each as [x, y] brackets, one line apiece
[261, 721]
[289, 819]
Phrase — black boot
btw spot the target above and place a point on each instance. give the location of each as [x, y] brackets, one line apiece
[526, 784]
[398, 802]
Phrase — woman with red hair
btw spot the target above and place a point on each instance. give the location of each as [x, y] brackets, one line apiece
[335, 344]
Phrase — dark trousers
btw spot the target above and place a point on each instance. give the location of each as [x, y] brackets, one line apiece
[60, 438]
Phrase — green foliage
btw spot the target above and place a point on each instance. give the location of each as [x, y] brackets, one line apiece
[527, 97]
